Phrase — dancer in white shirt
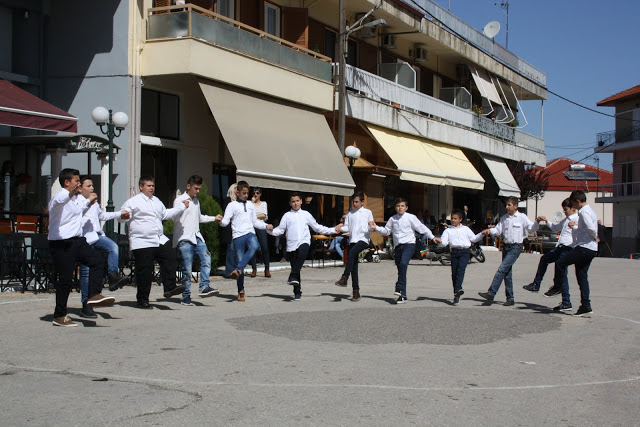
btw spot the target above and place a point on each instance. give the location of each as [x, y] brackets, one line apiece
[68, 247]
[295, 224]
[242, 217]
[357, 225]
[148, 243]
[460, 237]
[189, 241]
[403, 227]
[93, 234]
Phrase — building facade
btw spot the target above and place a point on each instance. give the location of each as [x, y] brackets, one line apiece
[624, 143]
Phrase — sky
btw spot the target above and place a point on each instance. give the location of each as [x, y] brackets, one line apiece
[588, 50]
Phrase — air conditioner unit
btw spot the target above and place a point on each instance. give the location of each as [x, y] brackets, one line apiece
[389, 41]
[421, 54]
[463, 73]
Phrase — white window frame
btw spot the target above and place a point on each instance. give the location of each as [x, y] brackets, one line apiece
[268, 7]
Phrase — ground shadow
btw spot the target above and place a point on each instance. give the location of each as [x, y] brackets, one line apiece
[79, 320]
[391, 301]
[134, 304]
[447, 301]
[282, 297]
[337, 297]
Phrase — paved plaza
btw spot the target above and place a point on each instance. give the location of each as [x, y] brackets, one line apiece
[328, 361]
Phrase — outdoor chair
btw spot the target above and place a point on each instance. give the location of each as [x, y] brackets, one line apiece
[6, 225]
[13, 261]
[26, 224]
[41, 264]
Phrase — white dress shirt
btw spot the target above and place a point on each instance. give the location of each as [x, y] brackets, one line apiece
[145, 222]
[296, 224]
[567, 235]
[587, 228]
[459, 237]
[65, 216]
[356, 223]
[403, 228]
[91, 227]
[514, 228]
[187, 227]
[242, 216]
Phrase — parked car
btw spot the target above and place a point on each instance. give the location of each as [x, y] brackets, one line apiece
[549, 238]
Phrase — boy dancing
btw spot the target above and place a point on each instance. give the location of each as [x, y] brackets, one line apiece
[295, 224]
[148, 243]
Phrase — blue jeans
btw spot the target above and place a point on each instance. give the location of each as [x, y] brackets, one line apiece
[103, 244]
[459, 261]
[187, 249]
[510, 253]
[245, 247]
[403, 254]
[230, 260]
[549, 258]
[337, 245]
[581, 258]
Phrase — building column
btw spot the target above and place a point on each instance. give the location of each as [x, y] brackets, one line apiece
[104, 179]
[56, 167]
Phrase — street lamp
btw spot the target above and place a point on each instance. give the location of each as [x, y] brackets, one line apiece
[342, 60]
[353, 153]
[114, 123]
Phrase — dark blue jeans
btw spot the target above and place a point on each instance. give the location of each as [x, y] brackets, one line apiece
[581, 258]
[459, 261]
[403, 254]
[245, 247]
[549, 258]
[510, 254]
[351, 269]
[264, 249]
[297, 258]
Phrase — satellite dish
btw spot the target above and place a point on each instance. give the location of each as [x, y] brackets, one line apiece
[491, 29]
[557, 217]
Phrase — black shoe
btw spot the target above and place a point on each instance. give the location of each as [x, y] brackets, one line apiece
[532, 287]
[563, 307]
[509, 302]
[552, 292]
[459, 293]
[88, 312]
[401, 300]
[582, 311]
[486, 295]
[456, 300]
[144, 305]
[177, 290]
[117, 281]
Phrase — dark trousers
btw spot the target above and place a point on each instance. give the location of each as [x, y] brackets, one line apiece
[66, 255]
[581, 258]
[549, 258]
[459, 262]
[264, 249]
[351, 269]
[403, 254]
[297, 259]
[166, 257]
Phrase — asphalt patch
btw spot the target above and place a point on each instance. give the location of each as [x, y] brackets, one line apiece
[416, 325]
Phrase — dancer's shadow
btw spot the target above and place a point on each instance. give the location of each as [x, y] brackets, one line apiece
[281, 297]
[134, 304]
[337, 297]
[391, 301]
[440, 300]
[87, 323]
[535, 307]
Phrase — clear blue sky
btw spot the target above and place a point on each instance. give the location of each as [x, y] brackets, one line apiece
[588, 50]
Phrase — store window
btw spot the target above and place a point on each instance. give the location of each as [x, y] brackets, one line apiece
[160, 115]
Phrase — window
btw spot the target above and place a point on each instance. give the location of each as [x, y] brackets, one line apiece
[330, 38]
[352, 53]
[226, 8]
[160, 114]
[627, 178]
[272, 19]
[223, 177]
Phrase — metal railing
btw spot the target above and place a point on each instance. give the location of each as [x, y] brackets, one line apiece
[621, 189]
[381, 89]
[618, 135]
[176, 22]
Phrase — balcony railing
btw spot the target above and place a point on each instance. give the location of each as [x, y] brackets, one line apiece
[621, 189]
[618, 135]
[381, 89]
[174, 22]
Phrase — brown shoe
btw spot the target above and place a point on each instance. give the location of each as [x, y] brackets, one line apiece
[241, 296]
[356, 295]
[235, 274]
[267, 273]
[342, 282]
[254, 273]
[100, 301]
[64, 321]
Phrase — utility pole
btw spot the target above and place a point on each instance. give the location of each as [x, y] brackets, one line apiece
[342, 90]
[505, 5]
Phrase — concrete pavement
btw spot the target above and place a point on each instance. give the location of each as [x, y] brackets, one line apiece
[326, 360]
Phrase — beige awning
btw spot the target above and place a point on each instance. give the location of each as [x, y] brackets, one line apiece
[506, 183]
[427, 162]
[276, 145]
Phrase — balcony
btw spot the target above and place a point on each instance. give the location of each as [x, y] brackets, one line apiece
[621, 192]
[189, 21]
[381, 89]
[618, 139]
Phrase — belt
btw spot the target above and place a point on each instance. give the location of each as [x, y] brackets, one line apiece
[459, 249]
[511, 244]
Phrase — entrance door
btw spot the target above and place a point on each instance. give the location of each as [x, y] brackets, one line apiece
[162, 164]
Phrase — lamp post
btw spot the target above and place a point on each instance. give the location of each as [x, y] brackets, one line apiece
[115, 124]
[353, 153]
